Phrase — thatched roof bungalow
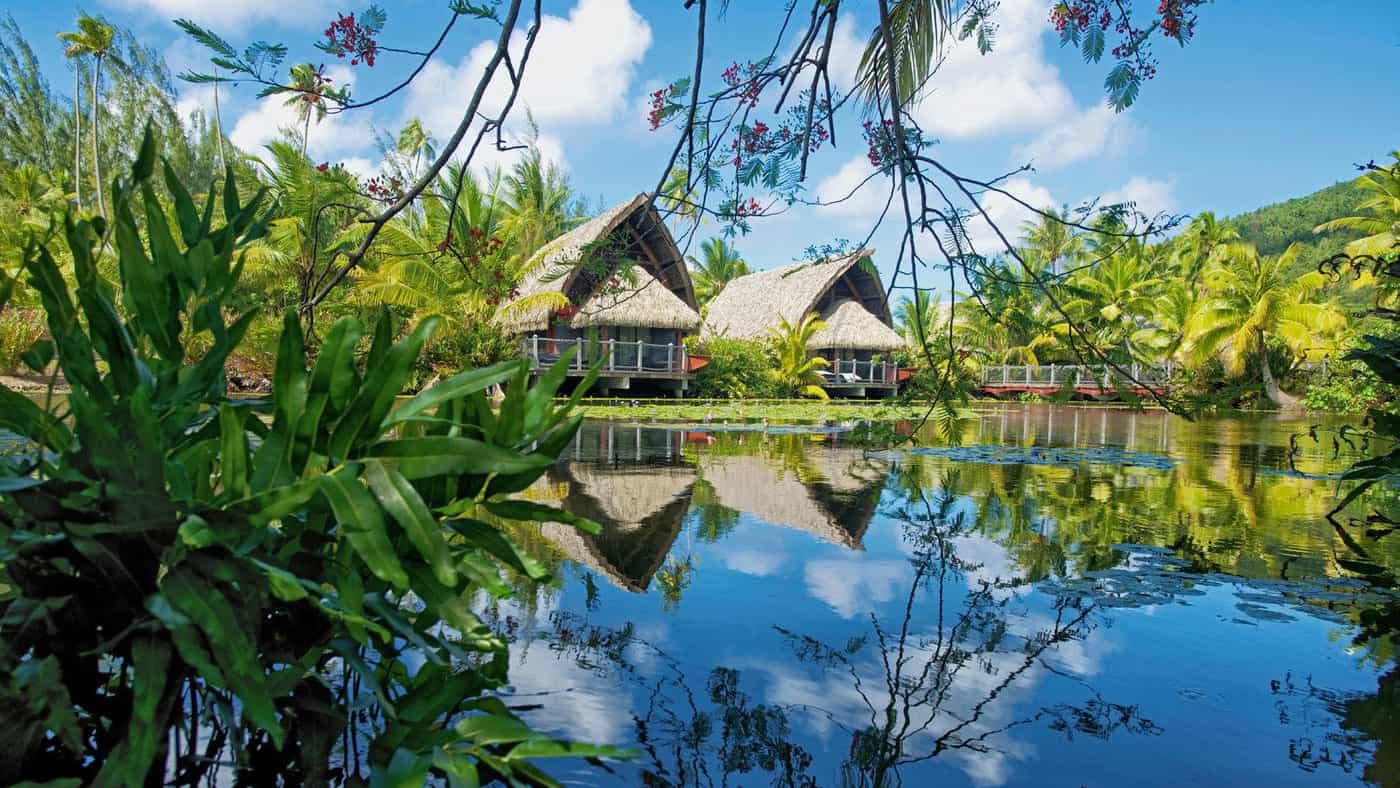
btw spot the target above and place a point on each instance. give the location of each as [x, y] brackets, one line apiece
[844, 291]
[834, 500]
[641, 510]
[568, 294]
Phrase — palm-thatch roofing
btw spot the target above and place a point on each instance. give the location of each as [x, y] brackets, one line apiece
[640, 234]
[750, 306]
[850, 325]
[641, 511]
[834, 501]
[647, 303]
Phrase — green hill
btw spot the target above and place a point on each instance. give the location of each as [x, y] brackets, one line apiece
[1272, 228]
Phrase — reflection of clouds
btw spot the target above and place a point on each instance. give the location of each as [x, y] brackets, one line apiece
[579, 705]
[830, 705]
[854, 586]
[754, 562]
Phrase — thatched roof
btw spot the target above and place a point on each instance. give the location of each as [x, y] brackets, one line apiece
[554, 269]
[641, 510]
[648, 303]
[850, 325]
[751, 305]
[826, 505]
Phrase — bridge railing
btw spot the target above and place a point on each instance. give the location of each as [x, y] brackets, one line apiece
[1076, 375]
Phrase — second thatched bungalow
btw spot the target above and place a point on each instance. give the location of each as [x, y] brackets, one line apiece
[572, 295]
[845, 292]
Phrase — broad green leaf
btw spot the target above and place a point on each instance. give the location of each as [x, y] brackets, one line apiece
[529, 510]
[407, 769]
[154, 691]
[233, 453]
[484, 537]
[362, 522]
[402, 502]
[541, 747]
[460, 769]
[483, 729]
[383, 381]
[439, 455]
[454, 387]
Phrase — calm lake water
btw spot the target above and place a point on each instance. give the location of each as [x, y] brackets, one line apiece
[1071, 596]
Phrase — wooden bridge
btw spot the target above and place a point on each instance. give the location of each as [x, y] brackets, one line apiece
[1097, 380]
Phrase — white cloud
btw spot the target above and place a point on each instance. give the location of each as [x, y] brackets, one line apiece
[580, 71]
[194, 99]
[1011, 89]
[230, 14]
[360, 167]
[1097, 131]
[853, 192]
[1149, 196]
[1007, 214]
[336, 134]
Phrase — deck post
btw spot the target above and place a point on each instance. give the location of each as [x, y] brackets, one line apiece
[670, 362]
[1028, 374]
[612, 348]
[1052, 376]
[534, 352]
[1005, 374]
[640, 350]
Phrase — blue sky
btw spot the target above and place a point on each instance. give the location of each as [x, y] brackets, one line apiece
[1273, 99]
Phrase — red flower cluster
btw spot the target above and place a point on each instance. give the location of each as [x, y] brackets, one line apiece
[385, 190]
[1178, 21]
[345, 36]
[567, 311]
[660, 100]
[880, 143]
[750, 208]
[323, 166]
[1081, 14]
[734, 76]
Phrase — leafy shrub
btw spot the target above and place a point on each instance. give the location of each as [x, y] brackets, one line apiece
[738, 368]
[19, 330]
[245, 570]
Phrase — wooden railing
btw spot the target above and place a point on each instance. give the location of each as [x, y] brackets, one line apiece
[853, 372]
[1054, 376]
[1101, 376]
[619, 356]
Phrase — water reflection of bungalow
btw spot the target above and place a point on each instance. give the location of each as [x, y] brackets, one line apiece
[641, 509]
[833, 495]
[845, 292]
[568, 297]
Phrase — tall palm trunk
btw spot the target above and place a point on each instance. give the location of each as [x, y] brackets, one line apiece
[96, 160]
[219, 128]
[1272, 391]
[78, 132]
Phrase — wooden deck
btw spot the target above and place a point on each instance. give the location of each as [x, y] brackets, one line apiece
[1096, 381]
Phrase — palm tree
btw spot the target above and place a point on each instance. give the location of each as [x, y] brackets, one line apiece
[1115, 299]
[1378, 215]
[920, 318]
[73, 52]
[1011, 321]
[307, 83]
[1201, 244]
[796, 371]
[1250, 299]
[415, 143]
[721, 264]
[93, 38]
[537, 198]
[1053, 240]
[676, 197]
